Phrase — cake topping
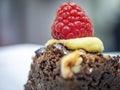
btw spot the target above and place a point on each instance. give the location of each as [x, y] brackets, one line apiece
[71, 64]
[90, 44]
[71, 22]
[40, 51]
[61, 47]
[73, 28]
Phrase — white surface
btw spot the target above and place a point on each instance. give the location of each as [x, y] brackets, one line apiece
[112, 53]
[15, 64]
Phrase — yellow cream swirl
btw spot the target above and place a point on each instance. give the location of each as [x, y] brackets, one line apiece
[90, 44]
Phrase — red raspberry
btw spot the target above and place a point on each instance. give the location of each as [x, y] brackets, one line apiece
[71, 22]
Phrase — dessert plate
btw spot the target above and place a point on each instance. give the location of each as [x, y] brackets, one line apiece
[112, 53]
[15, 64]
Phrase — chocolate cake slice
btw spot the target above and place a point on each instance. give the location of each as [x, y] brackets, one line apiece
[73, 59]
[97, 71]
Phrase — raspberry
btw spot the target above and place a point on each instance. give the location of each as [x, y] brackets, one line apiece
[71, 22]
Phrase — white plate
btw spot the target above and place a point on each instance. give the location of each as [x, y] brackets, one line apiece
[14, 65]
[112, 53]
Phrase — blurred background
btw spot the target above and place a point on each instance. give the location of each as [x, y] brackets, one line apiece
[29, 21]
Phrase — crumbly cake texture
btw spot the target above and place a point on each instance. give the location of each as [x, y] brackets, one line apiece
[98, 74]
